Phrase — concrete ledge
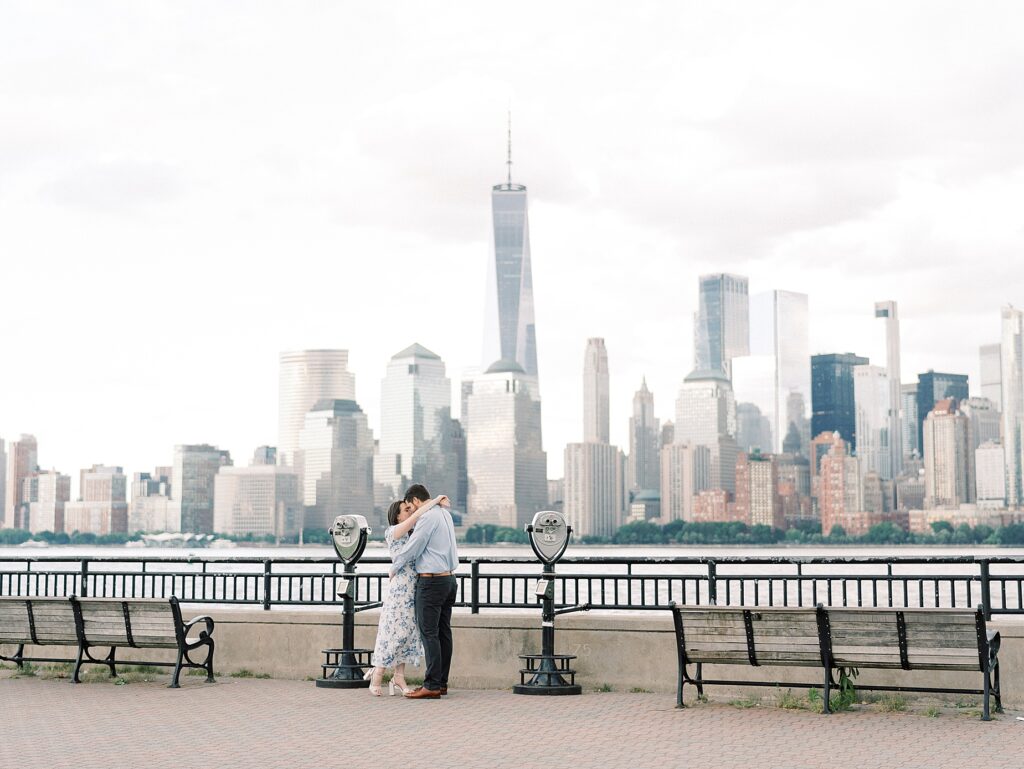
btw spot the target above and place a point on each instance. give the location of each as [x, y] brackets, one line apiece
[622, 651]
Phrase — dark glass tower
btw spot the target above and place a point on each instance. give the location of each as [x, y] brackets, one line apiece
[722, 325]
[933, 387]
[832, 404]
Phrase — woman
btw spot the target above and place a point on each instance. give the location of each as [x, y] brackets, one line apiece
[398, 638]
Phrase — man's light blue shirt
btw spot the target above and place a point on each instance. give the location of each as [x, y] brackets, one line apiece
[431, 545]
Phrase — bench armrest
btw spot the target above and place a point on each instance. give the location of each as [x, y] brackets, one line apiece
[993, 644]
[202, 633]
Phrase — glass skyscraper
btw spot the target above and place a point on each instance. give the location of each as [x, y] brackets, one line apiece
[990, 357]
[1012, 390]
[908, 422]
[776, 376]
[505, 461]
[706, 416]
[416, 431]
[871, 396]
[192, 485]
[887, 312]
[337, 458]
[509, 330]
[307, 377]
[722, 326]
[832, 403]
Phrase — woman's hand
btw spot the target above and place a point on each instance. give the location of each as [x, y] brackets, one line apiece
[443, 501]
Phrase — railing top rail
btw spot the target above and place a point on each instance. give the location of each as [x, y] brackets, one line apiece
[580, 560]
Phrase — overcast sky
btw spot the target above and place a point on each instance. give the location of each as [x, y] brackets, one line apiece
[187, 189]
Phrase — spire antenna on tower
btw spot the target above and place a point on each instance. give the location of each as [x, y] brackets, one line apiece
[508, 162]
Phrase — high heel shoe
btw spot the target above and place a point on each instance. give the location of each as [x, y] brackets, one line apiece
[375, 689]
[392, 685]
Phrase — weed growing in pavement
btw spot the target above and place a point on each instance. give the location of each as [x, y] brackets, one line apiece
[788, 701]
[746, 702]
[892, 704]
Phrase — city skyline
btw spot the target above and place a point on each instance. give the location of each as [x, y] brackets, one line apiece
[281, 236]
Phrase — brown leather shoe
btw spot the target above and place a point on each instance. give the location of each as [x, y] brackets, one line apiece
[424, 694]
[444, 691]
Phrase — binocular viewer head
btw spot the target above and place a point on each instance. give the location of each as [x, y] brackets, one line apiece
[348, 535]
[549, 535]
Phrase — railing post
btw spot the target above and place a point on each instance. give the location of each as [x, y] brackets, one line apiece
[85, 579]
[266, 584]
[986, 596]
[474, 586]
[712, 583]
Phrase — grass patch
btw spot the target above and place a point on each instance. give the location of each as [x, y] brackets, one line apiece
[841, 702]
[746, 702]
[966, 704]
[28, 670]
[51, 672]
[933, 712]
[604, 688]
[788, 701]
[414, 681]
[892, 704]
[639, 690]
[246, 673]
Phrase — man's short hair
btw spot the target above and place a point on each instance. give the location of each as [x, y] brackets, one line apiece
[417, 491]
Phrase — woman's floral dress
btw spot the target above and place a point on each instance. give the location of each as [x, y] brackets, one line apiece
[398, 638]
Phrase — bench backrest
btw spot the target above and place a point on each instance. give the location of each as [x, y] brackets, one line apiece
[138, 622]
[733, 635]
[40, 621]
[936, 639]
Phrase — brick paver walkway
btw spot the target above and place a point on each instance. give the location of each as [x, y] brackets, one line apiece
[290, 724]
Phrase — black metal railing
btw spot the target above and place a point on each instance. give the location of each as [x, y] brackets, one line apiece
[610, 583]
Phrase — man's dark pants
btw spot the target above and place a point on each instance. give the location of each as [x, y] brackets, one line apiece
[435, 597]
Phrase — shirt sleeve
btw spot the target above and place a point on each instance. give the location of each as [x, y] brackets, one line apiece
[417, 542]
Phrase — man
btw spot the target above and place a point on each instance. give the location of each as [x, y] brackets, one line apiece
[432, 548]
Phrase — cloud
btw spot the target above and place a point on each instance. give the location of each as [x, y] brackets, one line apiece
[208, 184]
[115, 186]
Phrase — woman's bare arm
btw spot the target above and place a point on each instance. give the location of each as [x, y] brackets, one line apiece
[405, 526]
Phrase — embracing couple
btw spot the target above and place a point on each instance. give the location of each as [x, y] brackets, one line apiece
[417, 613]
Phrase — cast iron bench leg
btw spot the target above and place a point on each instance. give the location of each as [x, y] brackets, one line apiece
[177, 670]
[209, 665]
[110, 662]
[826, 708]
[987, 687]
[998, 690]
[78, 665]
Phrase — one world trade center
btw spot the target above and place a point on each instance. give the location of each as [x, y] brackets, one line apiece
[509, 331]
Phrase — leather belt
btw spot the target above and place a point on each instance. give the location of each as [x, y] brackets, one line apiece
[438, 574]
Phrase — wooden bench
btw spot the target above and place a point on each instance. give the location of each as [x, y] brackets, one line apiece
[36, 621]
[113, 623]
[829, 639]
